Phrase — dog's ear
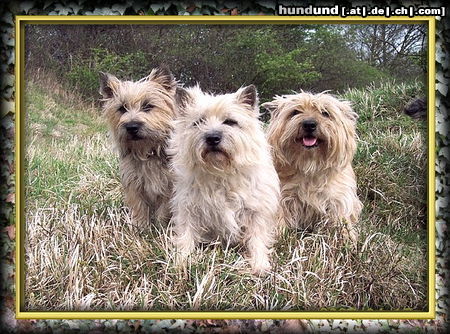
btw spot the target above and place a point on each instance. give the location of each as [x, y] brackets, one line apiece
[271, 107]
[346, 108]
[182, 100]
[164, 77]
[248, 95]
[108, 85]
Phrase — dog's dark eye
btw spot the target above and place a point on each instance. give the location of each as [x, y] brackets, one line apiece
[122, 109]
[147, 107]
[295, 112]
[325, 113]
[230, 122]
[198, 122]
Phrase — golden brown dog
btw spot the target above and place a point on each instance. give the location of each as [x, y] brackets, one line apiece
[313, 141]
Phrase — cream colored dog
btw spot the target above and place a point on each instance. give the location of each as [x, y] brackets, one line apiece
[313, 140]
[225, 183]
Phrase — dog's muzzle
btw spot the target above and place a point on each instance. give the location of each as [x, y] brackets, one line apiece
[309, 140]
[133, 129]
[309, 125]
[213, 139]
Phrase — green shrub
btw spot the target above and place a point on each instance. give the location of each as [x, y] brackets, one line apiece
[284, 71]
[275, 67]
[84, 73]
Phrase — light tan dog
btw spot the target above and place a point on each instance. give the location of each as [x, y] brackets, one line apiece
[313, 140]
[140, 116]
[225, 184]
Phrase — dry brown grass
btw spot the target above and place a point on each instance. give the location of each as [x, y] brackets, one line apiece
[77, 261]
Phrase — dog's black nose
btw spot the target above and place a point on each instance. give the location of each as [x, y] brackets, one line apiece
[133, 127]
[213, 138]
[309, 125]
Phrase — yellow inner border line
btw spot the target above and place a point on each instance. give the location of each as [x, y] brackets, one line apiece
[21, 20]
[218, 19]
[224, 315]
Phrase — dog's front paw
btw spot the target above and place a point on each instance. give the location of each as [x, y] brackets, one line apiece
[350, 234]
[353, 236]
[260, 266]
[181, 256]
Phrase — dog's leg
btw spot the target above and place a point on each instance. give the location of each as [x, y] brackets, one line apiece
[288, 212]
[162, 213]
[184, 239]
[347, 215]
[140, 211]
[259, 242]
[353, 219]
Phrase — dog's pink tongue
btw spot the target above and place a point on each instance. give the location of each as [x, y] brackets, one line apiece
[309, 141]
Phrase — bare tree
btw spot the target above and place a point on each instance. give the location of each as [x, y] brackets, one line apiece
[389, 46]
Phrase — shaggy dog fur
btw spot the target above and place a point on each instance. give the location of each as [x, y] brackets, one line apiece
[313, 140]
[225, 184]
[140, 116]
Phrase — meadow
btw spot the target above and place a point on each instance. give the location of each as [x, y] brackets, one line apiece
[83, 253]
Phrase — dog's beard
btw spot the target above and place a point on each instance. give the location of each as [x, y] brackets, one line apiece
[143, 135]
[143, 144]
[215, 158]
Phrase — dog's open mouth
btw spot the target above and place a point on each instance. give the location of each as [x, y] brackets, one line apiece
[310, 141]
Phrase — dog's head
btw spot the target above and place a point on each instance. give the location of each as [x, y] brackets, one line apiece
[139, 113]
[217, 133]
[311, 131]
[416, 108]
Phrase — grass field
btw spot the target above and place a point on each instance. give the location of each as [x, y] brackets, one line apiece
[82, 253]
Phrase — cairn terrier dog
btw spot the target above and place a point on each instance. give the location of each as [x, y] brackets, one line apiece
[313, 140]
[225, 184]
[140, 116]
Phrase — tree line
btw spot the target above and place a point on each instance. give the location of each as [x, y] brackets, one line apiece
[276, 58]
